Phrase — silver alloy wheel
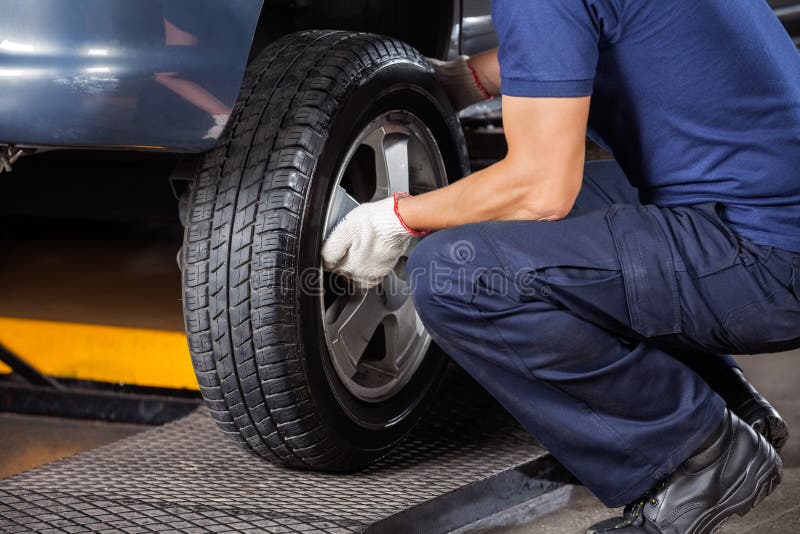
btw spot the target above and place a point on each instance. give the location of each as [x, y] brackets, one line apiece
[375, 338]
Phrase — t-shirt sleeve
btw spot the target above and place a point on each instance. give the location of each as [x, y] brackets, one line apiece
[548, 48]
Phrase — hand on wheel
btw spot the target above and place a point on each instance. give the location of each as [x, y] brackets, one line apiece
[366, 245]
[459, 81]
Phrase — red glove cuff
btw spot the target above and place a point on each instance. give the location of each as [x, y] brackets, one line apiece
[397, 196]
[478, 84]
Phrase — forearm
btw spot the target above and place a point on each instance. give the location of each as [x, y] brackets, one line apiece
[503, 191]
[539, 179]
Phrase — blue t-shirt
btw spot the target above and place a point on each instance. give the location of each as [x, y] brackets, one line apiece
[699, 100]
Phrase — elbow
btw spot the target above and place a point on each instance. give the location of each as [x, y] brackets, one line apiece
[554, 210]
[558, 212]
[544, 193]
[548, 204]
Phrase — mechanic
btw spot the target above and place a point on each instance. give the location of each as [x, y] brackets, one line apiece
[589, 299]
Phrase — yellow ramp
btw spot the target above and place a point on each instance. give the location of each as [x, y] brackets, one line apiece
[114, 354]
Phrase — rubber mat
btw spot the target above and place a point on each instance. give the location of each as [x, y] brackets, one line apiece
[465, 460]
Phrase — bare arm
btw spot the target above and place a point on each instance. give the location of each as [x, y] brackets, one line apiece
[539, 179]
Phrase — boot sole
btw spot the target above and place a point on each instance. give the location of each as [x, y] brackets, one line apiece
[746, 497]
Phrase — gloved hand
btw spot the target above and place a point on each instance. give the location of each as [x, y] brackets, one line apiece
[366, 245]
[459, 82]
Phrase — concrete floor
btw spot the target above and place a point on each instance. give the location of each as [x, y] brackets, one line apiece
[30, 441]
[574, 508]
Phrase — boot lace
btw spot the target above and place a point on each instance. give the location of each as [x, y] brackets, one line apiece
[633, 511]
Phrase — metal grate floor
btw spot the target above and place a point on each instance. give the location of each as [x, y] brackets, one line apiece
[185, 476]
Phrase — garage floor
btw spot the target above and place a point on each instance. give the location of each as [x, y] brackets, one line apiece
[27, 442]
[30, 441]
[83, 272]
[124, 274]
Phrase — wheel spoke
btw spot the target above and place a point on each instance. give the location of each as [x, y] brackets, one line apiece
[341, 204]
[352, 330]
[401, 327]
[391, 161]
[396, 156]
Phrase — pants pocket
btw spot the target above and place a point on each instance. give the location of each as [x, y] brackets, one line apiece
[648, 270]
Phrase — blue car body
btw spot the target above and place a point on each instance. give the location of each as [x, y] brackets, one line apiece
[91, 73]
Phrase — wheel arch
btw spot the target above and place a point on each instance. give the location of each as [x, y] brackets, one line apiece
[434, 31]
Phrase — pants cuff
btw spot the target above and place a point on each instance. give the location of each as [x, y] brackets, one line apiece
[710, 419]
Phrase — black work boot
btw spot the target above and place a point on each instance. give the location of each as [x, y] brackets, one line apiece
[740, 396]
[731, 473]
[756, 411]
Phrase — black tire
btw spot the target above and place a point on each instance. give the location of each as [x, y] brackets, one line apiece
[255, 222]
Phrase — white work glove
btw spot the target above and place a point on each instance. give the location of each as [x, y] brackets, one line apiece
[367, 244]
[459, 82]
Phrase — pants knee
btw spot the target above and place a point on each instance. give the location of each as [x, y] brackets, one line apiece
[439, 269]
